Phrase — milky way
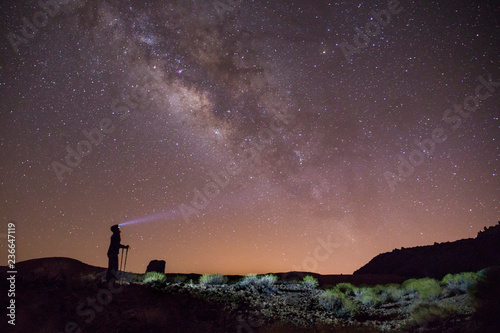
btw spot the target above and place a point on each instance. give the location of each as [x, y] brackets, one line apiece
[248, 136]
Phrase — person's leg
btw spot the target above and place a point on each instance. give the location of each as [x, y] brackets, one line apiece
[112, 272]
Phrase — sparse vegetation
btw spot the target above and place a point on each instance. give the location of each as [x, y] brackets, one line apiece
[426, 288]
[212, 279]
[388, 308]
[337, 302]
[250, 280]
[310, 282]
[367, 296]
[154, 279]
[268, 280]
[391, 293]
[259, 281]
[460, 283]
[427, 313]
[330, 299]
[345, 288]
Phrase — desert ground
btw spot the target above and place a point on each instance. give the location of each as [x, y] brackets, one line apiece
[65, 295]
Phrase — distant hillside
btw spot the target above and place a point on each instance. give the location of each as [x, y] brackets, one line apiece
[61, 269]
[54, 267]
[437, 260]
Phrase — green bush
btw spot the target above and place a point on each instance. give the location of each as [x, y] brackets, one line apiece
[212, 279]
[259, 281]
[268, 280]
[154, 278]
[483, 273]
[486, 294]
[331, 299]
[367, 296]
[250, 280]
[391, 293]
[426, 288]
[345, 288]
[337, 302]
[310, 282]
[460, 283]
[427, 313]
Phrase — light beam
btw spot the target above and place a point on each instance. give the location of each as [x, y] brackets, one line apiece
[163, 215]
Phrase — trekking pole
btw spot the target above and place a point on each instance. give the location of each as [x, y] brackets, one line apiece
[125, 264]
[121, 261]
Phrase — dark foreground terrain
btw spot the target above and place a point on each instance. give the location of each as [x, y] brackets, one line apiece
[65, 295]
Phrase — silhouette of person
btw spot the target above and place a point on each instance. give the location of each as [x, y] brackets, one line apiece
[113, 251]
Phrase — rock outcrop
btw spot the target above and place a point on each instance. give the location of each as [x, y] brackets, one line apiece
[156, 266]
[465, 255]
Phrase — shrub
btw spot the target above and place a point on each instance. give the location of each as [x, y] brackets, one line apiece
[367, 296]
[407, 286]
[391, 293]
[250, 280]
[378, 288]
[154, 278]
[268, 280]
[331, 299]
[338, 303]
[460, 283]
[486, 294]
[425, 313]
[259, 281]
[310, 282]
[483, 273]
[426, 288]
[212, 279]
[345, 288]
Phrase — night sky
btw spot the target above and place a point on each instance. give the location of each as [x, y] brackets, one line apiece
[247, 136]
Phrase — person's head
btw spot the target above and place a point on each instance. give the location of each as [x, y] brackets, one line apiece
[115, 228]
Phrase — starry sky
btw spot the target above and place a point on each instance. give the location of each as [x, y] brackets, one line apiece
[247, 136]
